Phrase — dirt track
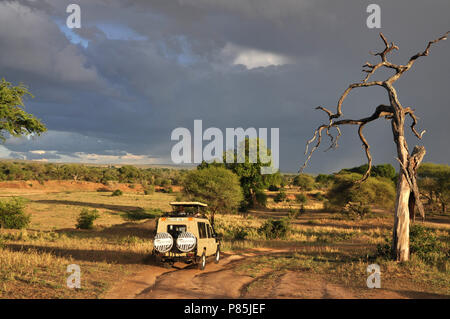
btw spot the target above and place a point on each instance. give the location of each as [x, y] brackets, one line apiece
[222, 281]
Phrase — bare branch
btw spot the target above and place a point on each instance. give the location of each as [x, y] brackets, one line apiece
[427, 50]
[318, 134]
[367, 148]
[381, 110]
[347, 91]
[410, 112]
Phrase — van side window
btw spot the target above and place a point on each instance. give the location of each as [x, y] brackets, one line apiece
[201, 230]
[208, 228]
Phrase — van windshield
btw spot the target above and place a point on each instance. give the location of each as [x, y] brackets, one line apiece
[176, 230]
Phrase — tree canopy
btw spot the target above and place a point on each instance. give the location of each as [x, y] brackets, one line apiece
[216, 186]
[251, 180]
[13, 118]
[375, 191]
[434, 180]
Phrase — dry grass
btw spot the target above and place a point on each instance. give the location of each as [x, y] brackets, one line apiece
[33, 263]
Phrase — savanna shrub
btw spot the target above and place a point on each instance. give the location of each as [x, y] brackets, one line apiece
[148, 190]
[275, 229]
[280, 197]
[356, 211]
[301, 198]
[117, 192]
[304, 181]
[373, 191]
[273, 188]
[261, 198]
[423, 243]
[319, 196]
[12, 214]
[238, 233]
[86, 218]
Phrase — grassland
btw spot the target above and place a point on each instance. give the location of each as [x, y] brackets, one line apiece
[33, 262]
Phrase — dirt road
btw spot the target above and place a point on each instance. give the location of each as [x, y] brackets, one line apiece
[223, 281]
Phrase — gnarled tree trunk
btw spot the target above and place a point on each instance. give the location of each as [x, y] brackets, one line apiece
[408, 197]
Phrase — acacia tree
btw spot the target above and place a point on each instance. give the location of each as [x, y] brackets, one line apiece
[407, 197]
[217, 186]
[13, 118]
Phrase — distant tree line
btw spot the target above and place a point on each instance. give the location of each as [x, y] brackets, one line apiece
[164, 177]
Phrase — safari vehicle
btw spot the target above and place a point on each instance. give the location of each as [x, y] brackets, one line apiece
[186, 235]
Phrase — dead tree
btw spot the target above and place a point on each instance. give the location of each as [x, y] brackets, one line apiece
[408, 196]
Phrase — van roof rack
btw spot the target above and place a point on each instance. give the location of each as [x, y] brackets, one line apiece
[182, 213]
[188, 204]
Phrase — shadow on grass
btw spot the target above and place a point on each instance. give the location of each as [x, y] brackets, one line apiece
[108, 256]
[143, 230]
[121, 208]
[420, 294]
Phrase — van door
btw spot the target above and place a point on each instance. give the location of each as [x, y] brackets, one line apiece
[212, 243]
[202, 240]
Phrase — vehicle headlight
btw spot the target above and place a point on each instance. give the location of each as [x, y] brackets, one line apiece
[186, 242]
[163, 242]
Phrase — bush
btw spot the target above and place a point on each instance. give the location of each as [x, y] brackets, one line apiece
[280, 197]
[275, 229]
[239, 233]
[117, 192]
[140, 214]
[374, 191]
[422, 243]
[358, 210]
[301, 198]
[12, 214]
[304, 181]
[86, 218]
[148, 190]
[319, 196]
[324, 180]
[273, 188]
[261, 198]
[293, 214]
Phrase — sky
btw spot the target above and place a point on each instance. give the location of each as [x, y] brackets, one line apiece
[114, 90]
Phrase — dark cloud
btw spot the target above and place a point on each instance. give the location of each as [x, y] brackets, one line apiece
[152, 66]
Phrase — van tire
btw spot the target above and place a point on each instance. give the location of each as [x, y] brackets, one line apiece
[202, 262]
[217, 255]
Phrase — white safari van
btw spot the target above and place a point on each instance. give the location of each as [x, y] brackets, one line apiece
[186, 235]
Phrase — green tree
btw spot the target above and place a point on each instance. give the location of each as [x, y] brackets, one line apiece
[304, 181]
[434, 180]
[216, 186]
[13, 118]
[345, 194]
[252, 181]
[324, 180]
[301, 198]
[280, 197]
[250, 177]
[12, 214]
